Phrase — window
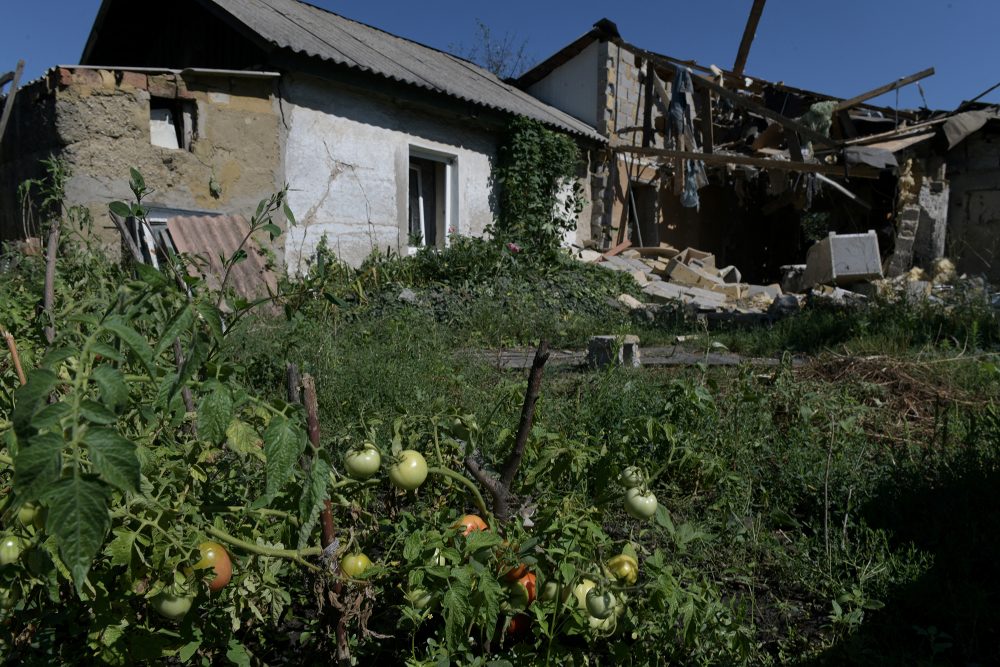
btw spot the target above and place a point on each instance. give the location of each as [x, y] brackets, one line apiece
[171, 123]
[430, 210]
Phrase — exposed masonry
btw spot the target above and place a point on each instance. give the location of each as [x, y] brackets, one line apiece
[99, 121]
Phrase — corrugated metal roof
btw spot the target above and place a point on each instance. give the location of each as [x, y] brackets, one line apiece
[321, 34]
[210, 239]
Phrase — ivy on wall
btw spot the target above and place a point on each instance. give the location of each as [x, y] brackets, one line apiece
[539, 194]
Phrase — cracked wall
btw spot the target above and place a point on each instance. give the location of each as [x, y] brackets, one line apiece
[347, 162]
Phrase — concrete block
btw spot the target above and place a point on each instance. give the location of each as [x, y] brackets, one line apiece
[842, 259]
[604, 351]
[731, 274]
[630, 302]
[162, 85]
[692, 275]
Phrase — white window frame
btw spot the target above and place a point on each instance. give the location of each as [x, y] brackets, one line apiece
[449, 192]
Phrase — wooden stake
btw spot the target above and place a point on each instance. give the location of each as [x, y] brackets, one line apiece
[15, 357]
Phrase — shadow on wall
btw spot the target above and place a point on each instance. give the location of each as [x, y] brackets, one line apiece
[951, 614]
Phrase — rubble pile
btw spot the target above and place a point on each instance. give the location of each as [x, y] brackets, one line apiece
[689, 276]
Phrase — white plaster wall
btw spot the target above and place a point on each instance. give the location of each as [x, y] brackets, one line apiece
[346, 159]
[573, 86]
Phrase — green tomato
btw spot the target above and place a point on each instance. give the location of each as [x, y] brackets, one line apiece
[601, 604]
[31, 514]
[354, 565]
[172, 606]
[640, 504]
[364, 462]
[632, 477]
[409, 471]
[552, 590]
[10, 549]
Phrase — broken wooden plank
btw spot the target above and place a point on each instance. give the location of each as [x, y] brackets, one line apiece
[748, 34]
[624, 245]
[762, 163]
[794, 147]
[6, 78]
[9, 106]
[881, 90]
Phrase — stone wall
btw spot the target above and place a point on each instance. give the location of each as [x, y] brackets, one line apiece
[98, 121]
[974, 208]
[921, 215]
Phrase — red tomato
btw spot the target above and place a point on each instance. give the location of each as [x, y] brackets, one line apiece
[471, 523]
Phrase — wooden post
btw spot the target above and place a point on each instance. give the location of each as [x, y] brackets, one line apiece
[15, 357]
[748, 34]
[647, 106]
[707, 127]
[9, 106]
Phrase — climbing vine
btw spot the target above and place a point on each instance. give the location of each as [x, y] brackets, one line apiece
[539, 194]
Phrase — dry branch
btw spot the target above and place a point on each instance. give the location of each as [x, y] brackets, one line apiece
[15, 357]
[499, 489]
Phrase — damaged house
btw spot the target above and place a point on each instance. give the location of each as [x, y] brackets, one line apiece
[389, 144]
[385, 143]
[754, 172]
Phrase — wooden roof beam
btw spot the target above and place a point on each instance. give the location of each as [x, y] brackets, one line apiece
[882, 90]
[748, 34]
[859, 171]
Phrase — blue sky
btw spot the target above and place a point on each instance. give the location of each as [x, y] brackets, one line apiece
[840, 47]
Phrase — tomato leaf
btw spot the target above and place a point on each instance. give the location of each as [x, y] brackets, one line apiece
[94, 412]
[243, 439]
[178, 324]
[112, 386]
[212, 317]
[114, 458]
[133, 340]
[237, 654]
[492, 597]
[38, 464]
[78, 518]
[457, 613]
[314, 494]
[29, 398]
[283, 444]
[215, 411]
[150, 275]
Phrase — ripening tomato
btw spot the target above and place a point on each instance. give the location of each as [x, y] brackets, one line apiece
[363, 462]
[625, 569]
[354, 565]
[519, 626]
[409, 471]
[471, 523]
[522, 593]
[214, 555]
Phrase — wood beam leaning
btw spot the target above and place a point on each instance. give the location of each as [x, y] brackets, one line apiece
[881, 90]
[8, 107]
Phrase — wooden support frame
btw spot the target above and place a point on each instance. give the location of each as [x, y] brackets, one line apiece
[647, 106]
[707, 123]
[739, 100]
[882, 90]
[748, 34]
[859, 171]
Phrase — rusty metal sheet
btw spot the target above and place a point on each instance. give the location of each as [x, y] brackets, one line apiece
[208, 240]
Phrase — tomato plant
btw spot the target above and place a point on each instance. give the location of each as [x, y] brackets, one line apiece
[409, 470]
[215, 556]
[522, 592]
[640, 504]
[361, 463]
